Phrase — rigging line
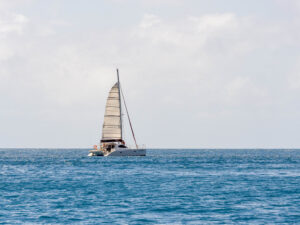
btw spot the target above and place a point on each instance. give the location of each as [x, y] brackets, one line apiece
[129, 118]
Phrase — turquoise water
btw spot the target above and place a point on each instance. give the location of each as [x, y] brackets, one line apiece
[59, 186]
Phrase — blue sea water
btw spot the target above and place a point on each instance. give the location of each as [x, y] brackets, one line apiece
[64, 186]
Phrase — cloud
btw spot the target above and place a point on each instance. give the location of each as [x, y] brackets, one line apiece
[293, 5]
[10, 25]
[10, 5]
[149, 21]
[294, 77]
[215, 22]
[195, 45]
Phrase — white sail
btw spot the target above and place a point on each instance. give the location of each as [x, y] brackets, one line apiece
[112, 125]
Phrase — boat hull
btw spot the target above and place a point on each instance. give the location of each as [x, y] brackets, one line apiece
[119, 152]
[96, 153]
[127, 152]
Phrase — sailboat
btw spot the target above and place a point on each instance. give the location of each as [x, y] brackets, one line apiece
[112, 142]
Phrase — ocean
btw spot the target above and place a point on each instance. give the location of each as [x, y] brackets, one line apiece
[64, 186]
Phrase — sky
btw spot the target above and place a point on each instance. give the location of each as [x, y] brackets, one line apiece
[195, 73]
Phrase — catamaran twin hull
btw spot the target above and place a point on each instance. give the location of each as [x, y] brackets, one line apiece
[123, 152]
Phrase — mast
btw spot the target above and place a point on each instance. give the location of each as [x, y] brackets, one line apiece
[119, 87]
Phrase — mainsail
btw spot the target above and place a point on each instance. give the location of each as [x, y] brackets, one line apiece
[112, 125]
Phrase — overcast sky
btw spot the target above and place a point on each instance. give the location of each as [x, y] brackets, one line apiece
[195, 73]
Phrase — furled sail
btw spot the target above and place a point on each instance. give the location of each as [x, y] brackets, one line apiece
[112, 126]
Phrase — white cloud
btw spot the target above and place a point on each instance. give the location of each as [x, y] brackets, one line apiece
[200, 46]
[149, 21]
[10, 25]
[290, 4]
[294, 77]
[215, 22]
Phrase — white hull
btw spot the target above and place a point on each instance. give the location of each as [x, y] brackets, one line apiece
[96, 153]
[127, 152]
[119, 152]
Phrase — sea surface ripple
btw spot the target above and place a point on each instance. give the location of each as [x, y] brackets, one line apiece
[64, 186]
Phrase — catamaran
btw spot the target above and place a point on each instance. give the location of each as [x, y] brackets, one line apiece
[112, 142]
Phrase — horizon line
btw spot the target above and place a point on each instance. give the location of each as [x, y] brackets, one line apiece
[203, 148]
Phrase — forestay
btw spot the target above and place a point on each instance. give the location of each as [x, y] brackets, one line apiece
[112, 127]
